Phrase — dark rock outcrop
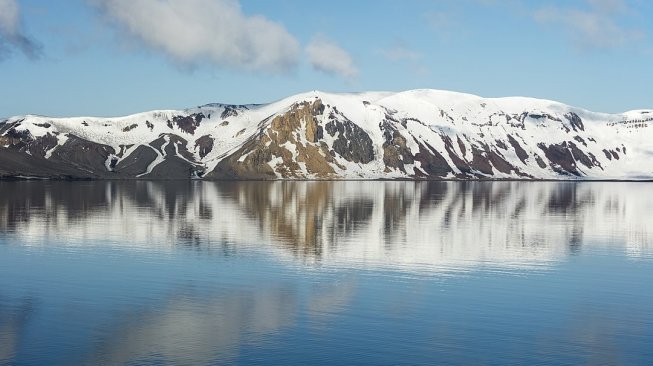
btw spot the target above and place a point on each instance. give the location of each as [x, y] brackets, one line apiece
[318, 136]
[137, 162]
[352, 142]
[560, 158]
[205, 145]
[576, 121]
[84, 155]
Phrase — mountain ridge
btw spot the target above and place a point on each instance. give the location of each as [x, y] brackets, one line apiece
[421, 134]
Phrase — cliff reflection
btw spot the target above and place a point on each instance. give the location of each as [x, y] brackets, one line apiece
[196, 329]
[13, 321]
[409, 224]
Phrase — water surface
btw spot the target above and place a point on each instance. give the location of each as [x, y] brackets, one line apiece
[372, 273]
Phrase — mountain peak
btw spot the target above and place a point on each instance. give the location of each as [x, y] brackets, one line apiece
[414, 134]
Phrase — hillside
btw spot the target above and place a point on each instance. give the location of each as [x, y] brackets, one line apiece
[418, 134]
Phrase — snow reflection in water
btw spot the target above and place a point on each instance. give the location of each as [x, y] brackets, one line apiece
[406, 224]
[287, 272]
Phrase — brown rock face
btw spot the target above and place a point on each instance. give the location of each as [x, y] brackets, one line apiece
[395, 152]
[314, 132]
[575, 121]
[26, 143]
[24, 154]
[16, 163]
[521, 153]
[580, 156]
[459, 162]
[352, 142]
[432, 162]
[281, 141]
[561, 158]
[254, 166]
[205, 145]
[480, 162]
[14, 139]
[461, 145]
[84, 155]
[136, 162]
[187, 124]
[130, 127]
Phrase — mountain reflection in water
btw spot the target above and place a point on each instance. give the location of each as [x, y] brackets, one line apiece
[144, 272]
[420, 225]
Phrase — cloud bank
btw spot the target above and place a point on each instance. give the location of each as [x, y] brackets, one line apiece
[196, 31]
[12, 35]
[193, 32]
[327, 57]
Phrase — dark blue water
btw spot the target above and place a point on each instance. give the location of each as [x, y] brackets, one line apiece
[366, 273]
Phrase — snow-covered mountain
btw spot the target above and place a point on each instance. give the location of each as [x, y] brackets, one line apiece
[417, 134]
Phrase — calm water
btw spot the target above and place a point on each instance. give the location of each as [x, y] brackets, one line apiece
[375, 273]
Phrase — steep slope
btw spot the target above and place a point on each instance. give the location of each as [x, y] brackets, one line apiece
[418, 134]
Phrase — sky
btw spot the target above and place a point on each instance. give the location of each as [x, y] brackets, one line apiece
[117, 57]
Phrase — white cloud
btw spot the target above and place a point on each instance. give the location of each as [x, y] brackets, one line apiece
[598, 25]
[198, 31]
[11, 32]
[326, 56]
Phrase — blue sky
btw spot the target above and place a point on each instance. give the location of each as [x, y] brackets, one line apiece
[115, 57]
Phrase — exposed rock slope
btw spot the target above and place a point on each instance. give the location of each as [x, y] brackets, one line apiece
[419, 134]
